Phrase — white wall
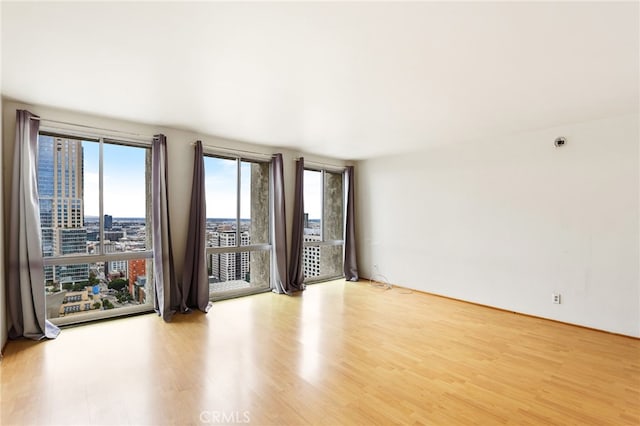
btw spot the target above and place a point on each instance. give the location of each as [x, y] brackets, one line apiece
[180, 154]
[506, 222]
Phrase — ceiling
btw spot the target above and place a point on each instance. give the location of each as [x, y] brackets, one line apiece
[345, 80]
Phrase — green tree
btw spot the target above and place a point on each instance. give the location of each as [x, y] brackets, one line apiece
[107, 304]
[124, 296]
[79, 286]
[93, 280]
[118, 284]
[97, 305]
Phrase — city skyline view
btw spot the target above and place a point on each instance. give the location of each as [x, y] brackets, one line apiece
[82, 215]
[64, 164]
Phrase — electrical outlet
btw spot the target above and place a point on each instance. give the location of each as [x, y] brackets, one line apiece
[555, 298]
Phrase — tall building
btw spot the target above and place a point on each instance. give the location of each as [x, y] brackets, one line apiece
[311, 257]
[108, 221]
[311, 254]
[71, 241]
[113, 235]
[229, 266]
[120, 267]
[137, 272]
[60, 190]
[45, 194]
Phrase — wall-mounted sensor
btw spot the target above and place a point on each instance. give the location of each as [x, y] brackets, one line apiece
[559, 141]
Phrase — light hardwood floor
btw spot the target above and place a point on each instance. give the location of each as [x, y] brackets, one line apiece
[340, 353]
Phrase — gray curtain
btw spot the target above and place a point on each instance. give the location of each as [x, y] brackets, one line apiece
[350, 261]
[195, 283]
[296, 270]
[167, 293]
[281, 284]
[25, 277]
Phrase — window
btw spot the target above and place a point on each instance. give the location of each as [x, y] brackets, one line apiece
[323, 225]
[96, 264]
[238, 242]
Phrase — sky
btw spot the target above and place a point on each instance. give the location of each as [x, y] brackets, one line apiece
[221, 183]
[221, 176]
[124, 184]
[312, 193]
[123, 180]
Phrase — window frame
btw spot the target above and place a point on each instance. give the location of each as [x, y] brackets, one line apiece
[102, 257]
[259, 247]
[324, 242]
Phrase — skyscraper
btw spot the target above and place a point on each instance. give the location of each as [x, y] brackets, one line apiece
[45, 193]
[60, 191]
[229, 266]
[311, 257]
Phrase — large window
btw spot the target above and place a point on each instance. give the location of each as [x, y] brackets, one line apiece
[238, 243]
[95, 218]
[323, 225]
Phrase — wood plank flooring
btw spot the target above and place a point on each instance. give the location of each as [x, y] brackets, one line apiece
[338, 354]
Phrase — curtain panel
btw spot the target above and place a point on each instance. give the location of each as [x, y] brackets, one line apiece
[350, 259]
[167, 293]
[281, 284]
[195, 283]
[25, 275]
[296, 269]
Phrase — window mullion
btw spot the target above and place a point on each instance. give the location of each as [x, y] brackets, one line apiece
[238, 195]
[100, 195]
[322, 224]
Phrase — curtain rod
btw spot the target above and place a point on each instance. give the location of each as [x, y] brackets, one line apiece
[317, 163]
[46, 120]
[233, 150]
